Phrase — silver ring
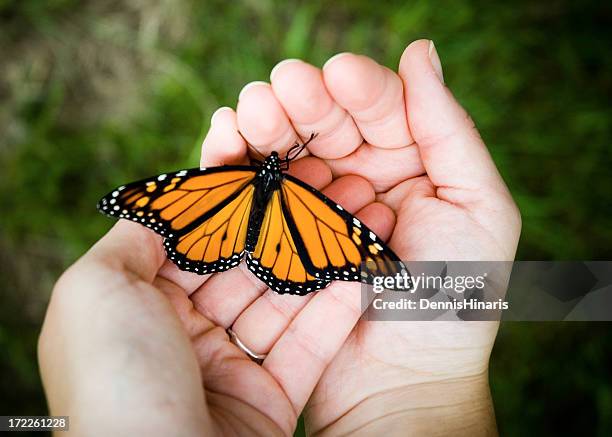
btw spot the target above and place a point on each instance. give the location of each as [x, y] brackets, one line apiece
[258, 358]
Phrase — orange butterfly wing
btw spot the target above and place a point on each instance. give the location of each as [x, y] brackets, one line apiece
[332, 244]
[305, 240]
[216, 244]
[275, 259]
[203, 213]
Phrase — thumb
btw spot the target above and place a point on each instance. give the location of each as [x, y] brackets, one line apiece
[130, 247]
[451, 149]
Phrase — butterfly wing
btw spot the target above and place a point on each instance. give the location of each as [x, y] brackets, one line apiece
[305, 239]
[217, 243]
[202, 212]
[275, 259]
[332, 244]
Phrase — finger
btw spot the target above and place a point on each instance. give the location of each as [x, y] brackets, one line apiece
[384, 168]
[223, 144]
[132, 247]
[452, 151]
[312, 339]
[227, 373]
[262, 323]
[313, 171]
[224, 296]
[187, 281]
[352, 192]
[373, 95]
[406, 194]
[379, 218]
[320, 329]
[262, 120]
[299, 87]
[413, 201]
[193, 321]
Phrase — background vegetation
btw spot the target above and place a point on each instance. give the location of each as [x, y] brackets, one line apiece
[96, 93]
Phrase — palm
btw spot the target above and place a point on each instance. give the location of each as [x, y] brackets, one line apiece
[414, 353]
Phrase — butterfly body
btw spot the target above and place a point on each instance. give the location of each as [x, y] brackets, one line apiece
[266, 182]
[291, 236]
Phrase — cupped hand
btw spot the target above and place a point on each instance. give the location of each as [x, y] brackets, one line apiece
[130, 339]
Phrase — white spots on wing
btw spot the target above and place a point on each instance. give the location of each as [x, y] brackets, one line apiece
[339, 207]
[161, 177]
[112, 201]
[356, 222]
[115, 193]
[279, 285]
[373, 236]
[181, 173]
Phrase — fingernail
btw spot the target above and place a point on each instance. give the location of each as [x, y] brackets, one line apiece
[435, 61]
[277, 66]
[217, 112]
[251, 85]
[335, 58]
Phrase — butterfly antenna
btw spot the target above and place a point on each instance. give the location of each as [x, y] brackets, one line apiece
[251, 147]
[295, 151]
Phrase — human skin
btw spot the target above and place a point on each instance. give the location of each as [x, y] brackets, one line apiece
[133, 346]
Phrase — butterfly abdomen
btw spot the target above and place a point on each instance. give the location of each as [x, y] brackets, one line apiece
[256, 217]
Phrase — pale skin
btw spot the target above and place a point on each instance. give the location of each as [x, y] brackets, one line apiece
[133, 346]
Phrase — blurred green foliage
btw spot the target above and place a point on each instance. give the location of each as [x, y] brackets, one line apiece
[97, 93]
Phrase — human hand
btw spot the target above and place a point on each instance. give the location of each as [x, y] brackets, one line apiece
[111, 304]
[132, 345]
[412, 153]
[418, 376]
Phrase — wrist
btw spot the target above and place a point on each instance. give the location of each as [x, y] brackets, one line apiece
[458, 406]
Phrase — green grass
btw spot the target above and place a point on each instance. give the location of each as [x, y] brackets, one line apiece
[95, 93]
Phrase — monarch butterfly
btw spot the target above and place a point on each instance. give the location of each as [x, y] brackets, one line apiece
[294, 238]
